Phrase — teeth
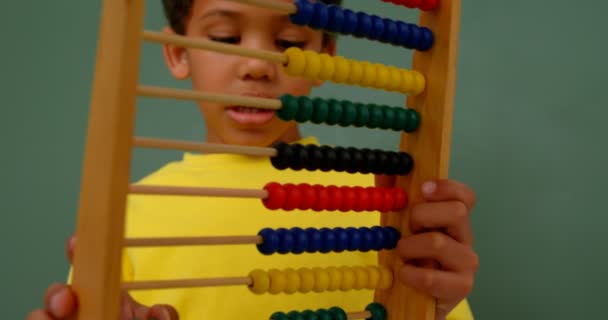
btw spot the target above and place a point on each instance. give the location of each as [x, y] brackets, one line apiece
[247, 110]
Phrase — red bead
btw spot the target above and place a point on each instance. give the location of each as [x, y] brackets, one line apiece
[376, 198]
[308, 196]
[294, 197]
[362, 199]
[335, 198]
[276, 196]
[388, 202]
[322, 198]
[348, 199]
[428, 5]
[400, 199]
[411, 3]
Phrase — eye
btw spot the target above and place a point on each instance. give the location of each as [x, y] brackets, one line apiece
[230, 39]
[284, 44]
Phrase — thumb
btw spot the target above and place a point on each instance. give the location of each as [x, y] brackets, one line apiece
[162, 312]
[60, 301]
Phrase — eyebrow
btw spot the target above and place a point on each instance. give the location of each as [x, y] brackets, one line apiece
[221, 13]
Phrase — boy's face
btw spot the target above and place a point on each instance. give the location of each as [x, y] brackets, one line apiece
[251, 27]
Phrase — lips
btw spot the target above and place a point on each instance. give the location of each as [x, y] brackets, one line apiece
[249, 115]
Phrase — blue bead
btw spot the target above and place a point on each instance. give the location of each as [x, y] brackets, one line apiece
[367, 239]
[377, 28]
[391, 236]
[328, 242]
[364, 25]
[286, 241]
[415, 38]
[303, 14]
[427, 39]
[391, 31]
[350, 22]
[336, 18]
[270, 241]
[320, 16]
[379, 238]
[300, 240]
[403, 34]
[354, 239]
[315, 241]
[341, 239]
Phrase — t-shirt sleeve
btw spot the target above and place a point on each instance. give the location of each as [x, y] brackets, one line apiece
[461, 312]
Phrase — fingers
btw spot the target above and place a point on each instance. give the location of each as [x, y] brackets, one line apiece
[443, 285]
[446, 190]
[451, 254]
[39, 315]
[162, 312]
[59, 301]
[450, 216]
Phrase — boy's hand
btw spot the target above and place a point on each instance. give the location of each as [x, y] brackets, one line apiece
[442, 233]
[60, 303]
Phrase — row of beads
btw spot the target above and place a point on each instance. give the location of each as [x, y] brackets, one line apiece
[305, 280]
[313, 65]
[377, 311]
[346, 113]
[312, 157]
[333, 198]
[425, 5]
[324, 240]
[333, 18]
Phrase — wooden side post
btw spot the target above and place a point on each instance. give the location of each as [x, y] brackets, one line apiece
[429, 146]
[105, 176]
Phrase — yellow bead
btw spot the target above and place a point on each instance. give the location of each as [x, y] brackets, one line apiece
[369, 74]
[407, 81]
[307, 280]
[342, 71]
[348, 278]
[327, 67]
[374, 277]
[386, 278]
[278, 281]
[395, 76]
[321, 280]
[356, 72]
[335, 278]
[293, 281]
[313, 65]
[296, 61]
[261, 281]
[361, 278]
[419, 83]
[382, 77]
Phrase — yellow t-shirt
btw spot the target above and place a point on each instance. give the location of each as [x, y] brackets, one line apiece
[173, 216]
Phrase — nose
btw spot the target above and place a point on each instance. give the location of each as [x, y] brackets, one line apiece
[257, 69]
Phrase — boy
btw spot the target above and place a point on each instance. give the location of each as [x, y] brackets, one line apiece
[441, 224]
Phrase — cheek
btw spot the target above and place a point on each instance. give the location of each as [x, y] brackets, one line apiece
[209, 70]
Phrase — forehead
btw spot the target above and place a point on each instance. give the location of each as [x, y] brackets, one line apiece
[233, 9]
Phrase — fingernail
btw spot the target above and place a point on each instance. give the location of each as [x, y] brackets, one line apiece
[55, 302]
[429, 187]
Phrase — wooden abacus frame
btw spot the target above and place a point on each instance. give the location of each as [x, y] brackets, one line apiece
[105, 176]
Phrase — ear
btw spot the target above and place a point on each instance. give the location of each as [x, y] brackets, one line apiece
[330, 49]
[176, 58]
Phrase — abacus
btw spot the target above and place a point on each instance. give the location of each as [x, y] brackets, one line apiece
[424, 126]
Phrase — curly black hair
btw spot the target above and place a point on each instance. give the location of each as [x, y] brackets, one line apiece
[177, 11]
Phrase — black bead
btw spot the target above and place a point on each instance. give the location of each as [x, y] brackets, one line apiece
[393, 163]
[281, 159]
[370, 161]
[357, 160]
[381, 161]
[329, 158]
[315, 157]
[342, 159]
[300, 157]
[406, 163]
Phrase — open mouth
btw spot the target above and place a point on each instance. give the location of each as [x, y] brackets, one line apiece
[250, 116]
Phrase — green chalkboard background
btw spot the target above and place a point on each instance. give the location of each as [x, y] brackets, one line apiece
[529, 137]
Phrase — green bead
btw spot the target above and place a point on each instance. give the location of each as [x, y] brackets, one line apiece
[335, 112]
[401, 119]
[413, 122]
[310, 315]
[279, 316]
[289, 107]
[295, 315]
[377, 310]
[324, 314]
[305, 111]
[337, 313]
[321, 110]
[376, 116]
[362, 115]
[389, 117]
[349, 114]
